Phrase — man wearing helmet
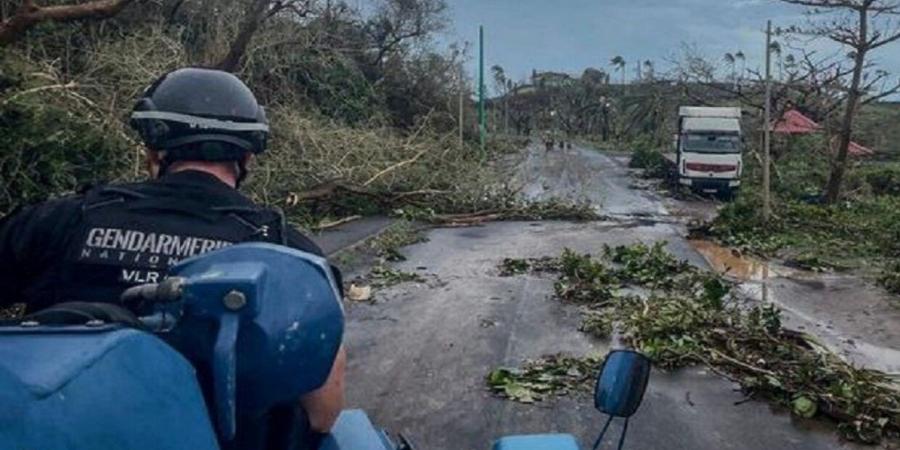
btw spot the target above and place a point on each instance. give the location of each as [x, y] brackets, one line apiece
[201, 129]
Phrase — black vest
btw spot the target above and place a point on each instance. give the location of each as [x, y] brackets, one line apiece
[129, 235]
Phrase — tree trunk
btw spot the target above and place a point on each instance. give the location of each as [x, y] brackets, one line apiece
[839, 166]
[506, 114]
[238, 48]
[28, 15]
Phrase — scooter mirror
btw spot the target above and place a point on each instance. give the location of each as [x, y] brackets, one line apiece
[622, 382]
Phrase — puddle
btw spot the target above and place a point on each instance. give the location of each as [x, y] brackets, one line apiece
[837, 337]
[881, 358]
[729, 262]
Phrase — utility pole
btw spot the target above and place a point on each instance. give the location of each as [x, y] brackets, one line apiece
[767, 132]
[509, 91]
[462, 90]
[482, 119]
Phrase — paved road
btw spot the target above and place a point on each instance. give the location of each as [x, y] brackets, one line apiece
[419, 354]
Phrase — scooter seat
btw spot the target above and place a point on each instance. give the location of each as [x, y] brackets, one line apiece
[537, 442]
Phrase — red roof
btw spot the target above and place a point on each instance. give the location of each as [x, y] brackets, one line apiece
[794, 122]
[859, 150]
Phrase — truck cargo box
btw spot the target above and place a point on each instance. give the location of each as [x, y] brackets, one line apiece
[704, 111]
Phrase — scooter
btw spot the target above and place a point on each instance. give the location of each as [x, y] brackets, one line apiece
[220, 343]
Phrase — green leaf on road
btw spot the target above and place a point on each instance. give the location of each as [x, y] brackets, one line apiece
[804, 407]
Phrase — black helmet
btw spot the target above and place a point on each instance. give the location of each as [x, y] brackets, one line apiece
[201, 115]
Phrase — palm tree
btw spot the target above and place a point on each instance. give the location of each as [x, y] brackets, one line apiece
[499, 78]
[729, 59]
[500, 84]
[619, 63]
[510, 90]
[739, 56]
[649, 69]
[775, 48]
[790, 61]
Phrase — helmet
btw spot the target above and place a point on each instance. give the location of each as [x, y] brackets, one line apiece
[201, 115]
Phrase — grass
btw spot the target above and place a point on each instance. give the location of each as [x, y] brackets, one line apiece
[859, 233]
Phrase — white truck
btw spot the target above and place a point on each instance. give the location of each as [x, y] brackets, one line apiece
[708, 149]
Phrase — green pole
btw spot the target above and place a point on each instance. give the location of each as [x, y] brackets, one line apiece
[482, 118]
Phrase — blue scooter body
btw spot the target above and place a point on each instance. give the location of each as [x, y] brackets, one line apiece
[263, 322]
[97, 387]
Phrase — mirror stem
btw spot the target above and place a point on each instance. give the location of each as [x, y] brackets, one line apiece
[600, 438]
[624, 430]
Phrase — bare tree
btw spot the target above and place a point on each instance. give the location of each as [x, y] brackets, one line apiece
[396, 22]
[862, 26]
[29, 14]
[812, 83]
[258, 11]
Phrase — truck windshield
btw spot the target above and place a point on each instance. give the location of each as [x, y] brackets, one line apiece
[712, 143]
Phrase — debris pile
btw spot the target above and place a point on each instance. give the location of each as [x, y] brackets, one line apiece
[679, 315]
[403, 233]
[383, 276]
[510, 208]
[549, 376]
[514, 266]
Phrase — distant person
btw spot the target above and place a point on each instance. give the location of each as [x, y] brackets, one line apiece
[201, 129]
[548, 141]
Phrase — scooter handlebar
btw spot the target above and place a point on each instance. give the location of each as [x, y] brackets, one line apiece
[167, 291]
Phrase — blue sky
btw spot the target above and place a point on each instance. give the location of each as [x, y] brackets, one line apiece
[570, 35]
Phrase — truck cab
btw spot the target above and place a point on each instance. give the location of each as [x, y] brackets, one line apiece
[708, 146]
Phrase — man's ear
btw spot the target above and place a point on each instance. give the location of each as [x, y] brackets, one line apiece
[153, 162]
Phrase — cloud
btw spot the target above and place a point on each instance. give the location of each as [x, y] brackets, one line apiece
[570, 35]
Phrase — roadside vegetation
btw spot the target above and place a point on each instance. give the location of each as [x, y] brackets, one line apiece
[858, 233]
[647, 156]
[363, 107]
[680, 316]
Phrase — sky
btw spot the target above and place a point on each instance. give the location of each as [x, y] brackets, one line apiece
[570, 35]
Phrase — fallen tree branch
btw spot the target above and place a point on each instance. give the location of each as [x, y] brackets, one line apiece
[472, 221]
[63, 86]
[403, 195]
[407, 162]
[28, 15]
[331, 188]
[337, 223]
[324, 190]
[718, 354]
[396, 166]
[467, 219]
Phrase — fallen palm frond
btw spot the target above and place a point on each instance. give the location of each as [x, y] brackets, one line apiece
[513, 266]
[688, 316]
[549, 376]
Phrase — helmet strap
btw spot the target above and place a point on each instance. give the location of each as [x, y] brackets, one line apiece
[241, 174]
[164, 165]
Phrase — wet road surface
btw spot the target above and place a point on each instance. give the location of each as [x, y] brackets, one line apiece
[419, 354]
